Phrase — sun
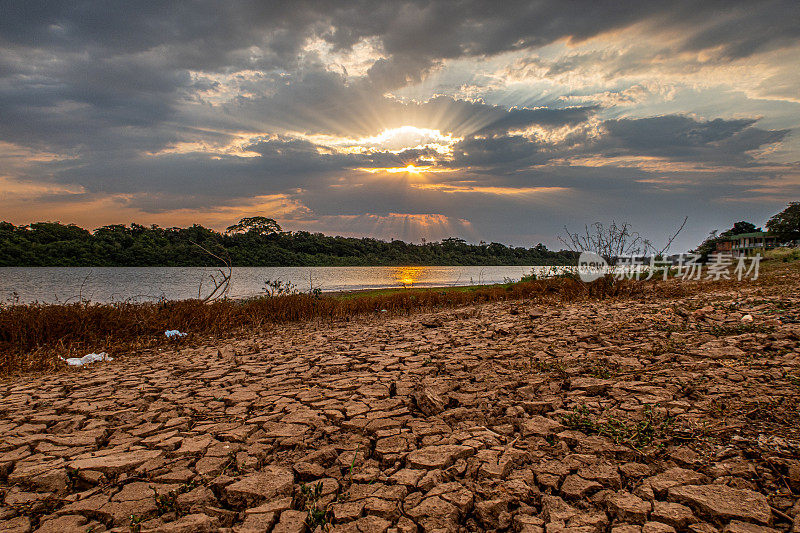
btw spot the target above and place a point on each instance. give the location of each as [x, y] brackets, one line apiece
[433, 147]
[393, 140]
[408, 169]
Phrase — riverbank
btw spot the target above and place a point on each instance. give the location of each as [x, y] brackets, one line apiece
[647, 412]
[34, 338]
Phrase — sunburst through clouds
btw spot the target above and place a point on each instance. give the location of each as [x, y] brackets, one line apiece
[489, 124]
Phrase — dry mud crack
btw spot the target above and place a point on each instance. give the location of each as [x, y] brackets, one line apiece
[620, 416]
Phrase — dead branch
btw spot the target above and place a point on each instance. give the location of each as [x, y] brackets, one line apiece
[672, 238]
[222, 282]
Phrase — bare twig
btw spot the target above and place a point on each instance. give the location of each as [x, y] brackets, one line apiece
[222, 284]
[672, 238]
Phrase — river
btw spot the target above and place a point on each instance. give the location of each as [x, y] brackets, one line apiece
[137, 284]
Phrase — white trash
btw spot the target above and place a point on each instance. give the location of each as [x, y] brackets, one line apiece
[747, 318]
[87, 359]
[174, 333]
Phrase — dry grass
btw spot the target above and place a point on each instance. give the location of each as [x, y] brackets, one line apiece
[33, 336]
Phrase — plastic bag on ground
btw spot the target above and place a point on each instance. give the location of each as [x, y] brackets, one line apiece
[174, 333]
[87, 359]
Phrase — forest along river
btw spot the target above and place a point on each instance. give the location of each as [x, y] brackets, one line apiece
[138, 284]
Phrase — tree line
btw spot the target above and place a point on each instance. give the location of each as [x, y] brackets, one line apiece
[254, 241]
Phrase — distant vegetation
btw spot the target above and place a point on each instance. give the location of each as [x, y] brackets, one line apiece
[254, 241]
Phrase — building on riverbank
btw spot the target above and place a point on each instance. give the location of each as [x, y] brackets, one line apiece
[746, 244]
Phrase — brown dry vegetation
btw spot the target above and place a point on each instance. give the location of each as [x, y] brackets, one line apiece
[33, 336]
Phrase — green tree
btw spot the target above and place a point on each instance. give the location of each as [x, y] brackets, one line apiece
[786, 224]
[740, 228]
[256, 241]
[255, 225]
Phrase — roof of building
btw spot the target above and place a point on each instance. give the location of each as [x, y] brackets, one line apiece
[751, 235]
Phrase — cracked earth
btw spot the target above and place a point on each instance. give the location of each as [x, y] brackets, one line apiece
[662, 416]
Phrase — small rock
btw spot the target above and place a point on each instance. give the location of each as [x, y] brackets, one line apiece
[554, 509]
[116, 463]
[720, 502]
[438, 457]
[626, 528]
[192, 523]
[291, 522]
[540, 426]
[737, 526]
[676, 515]
[63, 523]
[429, 402]
[308, 471]
[489, 512]
[575, 486]
[628, 508]
[657, 527]
[272, 482]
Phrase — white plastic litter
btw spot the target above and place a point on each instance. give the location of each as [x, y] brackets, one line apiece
[174, 333]
[87, 359]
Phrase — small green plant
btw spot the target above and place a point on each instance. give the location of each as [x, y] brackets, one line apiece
[135, 523]
[232, 465]
[717, 408]
[557, 367]
[580, 418]
[601, 369]
[353, 464]
[166, 503]
[636, 434]
[311, 495]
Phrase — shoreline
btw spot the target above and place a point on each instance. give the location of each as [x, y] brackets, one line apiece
[34, 338]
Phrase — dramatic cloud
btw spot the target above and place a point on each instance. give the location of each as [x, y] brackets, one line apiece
[401, 119]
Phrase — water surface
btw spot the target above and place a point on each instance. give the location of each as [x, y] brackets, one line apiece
[119, 284]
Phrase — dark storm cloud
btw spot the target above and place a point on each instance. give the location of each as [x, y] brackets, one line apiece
[685, 139]
[105, 85]
[672, 137]
[520, 119]
[73, 73]
[213, 35]
[282, 164]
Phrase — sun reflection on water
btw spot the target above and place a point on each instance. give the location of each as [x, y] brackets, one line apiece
[408, 275]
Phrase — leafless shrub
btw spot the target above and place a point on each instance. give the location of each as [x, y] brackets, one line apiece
[276, 287]
[616, 240]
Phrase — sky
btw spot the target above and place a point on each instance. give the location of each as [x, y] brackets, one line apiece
[489, 121]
